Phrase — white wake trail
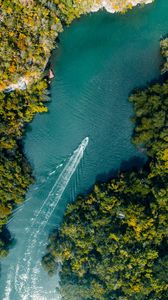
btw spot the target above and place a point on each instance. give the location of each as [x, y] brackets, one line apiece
[8, 288]
[24, 272]
[63, 179]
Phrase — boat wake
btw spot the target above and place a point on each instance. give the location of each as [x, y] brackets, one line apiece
[27, 271]
[8, 288]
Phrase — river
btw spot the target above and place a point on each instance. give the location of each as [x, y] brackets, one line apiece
[85, 136]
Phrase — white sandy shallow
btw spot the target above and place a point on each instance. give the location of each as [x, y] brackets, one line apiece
[113, 6]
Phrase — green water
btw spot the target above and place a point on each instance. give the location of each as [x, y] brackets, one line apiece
[100, 59]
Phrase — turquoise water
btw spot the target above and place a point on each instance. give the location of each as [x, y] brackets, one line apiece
[86, 134]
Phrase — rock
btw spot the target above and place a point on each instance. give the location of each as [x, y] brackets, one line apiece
[51, 74]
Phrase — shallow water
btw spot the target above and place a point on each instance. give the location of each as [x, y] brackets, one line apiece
[100, 59]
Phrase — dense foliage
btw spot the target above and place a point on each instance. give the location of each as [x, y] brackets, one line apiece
[112, 243]
[15, 174]
[164, 50]
[27, 35]
[18, 108]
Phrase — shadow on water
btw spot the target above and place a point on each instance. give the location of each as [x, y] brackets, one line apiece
[8, 240]
[159, 80]
[5, 236]
[134, 164]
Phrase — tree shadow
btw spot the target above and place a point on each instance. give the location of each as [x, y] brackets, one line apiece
[135, 163]
[159, 80]
[7, 238]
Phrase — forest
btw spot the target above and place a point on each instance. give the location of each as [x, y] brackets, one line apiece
[112, 243]
[28, 34]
